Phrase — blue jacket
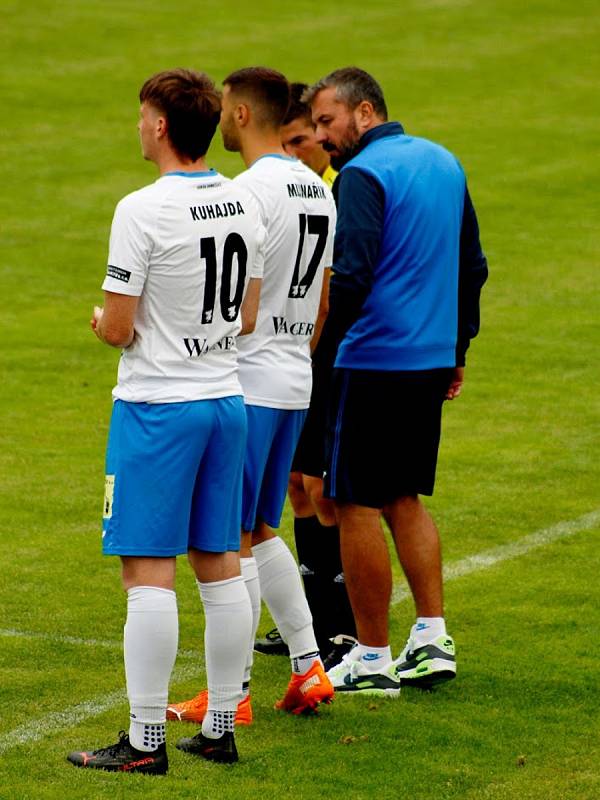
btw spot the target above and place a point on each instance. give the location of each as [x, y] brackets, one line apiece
[408, 266]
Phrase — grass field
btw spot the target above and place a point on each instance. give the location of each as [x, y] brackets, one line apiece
[511, 88]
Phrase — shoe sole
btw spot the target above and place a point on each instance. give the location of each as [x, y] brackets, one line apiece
[309, 708]
[373, 692]
[220, 758]
[271, 651]
[429, 673]
[159, 771]
[173, 716]
[217, 756]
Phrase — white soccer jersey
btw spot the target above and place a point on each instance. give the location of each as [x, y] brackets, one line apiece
[187, 245]
[299, 216]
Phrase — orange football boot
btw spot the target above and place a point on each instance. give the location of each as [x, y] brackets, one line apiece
[194, 710]
[305, 692]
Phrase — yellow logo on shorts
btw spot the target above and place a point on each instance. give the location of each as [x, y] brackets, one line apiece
[109, 490]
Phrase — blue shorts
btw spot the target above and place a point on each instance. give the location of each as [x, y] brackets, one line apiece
[272, 438]
[174, 477]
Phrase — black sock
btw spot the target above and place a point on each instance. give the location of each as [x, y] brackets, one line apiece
[342, 618]
[318, 551]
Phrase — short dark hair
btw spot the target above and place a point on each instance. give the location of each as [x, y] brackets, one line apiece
[297, 109]
[191, 105]
[267, 90]
[353, 85]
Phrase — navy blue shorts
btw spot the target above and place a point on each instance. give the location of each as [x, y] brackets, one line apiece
[174, 477]
[383, 434]
[309, 457]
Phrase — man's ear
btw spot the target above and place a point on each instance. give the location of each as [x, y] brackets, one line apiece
[364, 116]
[242, 115]
[161, 127]
[365, 112]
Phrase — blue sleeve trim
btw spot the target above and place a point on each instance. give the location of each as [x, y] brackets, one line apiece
[210, 173]
[273, 155]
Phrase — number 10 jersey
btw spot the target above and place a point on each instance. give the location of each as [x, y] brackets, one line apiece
[298, 213]
[187, 246]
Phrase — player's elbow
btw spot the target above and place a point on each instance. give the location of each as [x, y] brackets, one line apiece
[117, 335]
[249, 310]
[248, 323]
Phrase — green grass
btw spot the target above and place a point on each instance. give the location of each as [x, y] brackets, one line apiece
[511, 89]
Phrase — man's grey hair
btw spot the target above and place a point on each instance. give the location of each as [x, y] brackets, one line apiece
[352, 85]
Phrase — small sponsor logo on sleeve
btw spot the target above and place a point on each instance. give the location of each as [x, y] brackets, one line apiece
[118, 273]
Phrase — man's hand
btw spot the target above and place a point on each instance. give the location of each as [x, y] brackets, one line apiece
[95, 320]
[456, 383]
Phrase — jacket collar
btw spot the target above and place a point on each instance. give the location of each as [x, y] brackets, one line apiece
[379, 132]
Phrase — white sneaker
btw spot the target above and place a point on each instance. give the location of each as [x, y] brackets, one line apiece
[338, 673]
[426, 663]
[351, 675]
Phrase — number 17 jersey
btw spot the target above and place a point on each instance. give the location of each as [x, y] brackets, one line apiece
[298, 213]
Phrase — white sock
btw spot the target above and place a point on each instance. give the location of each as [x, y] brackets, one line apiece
[426, 629]
[216, 723]
[372, 658]
[150, 648]
[282, 591]
[228, 617]
[250, 576]
[304, 663]
[146, 737]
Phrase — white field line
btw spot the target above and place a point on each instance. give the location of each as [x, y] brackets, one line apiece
[504, 552]
[57, 721]
[77, 640]
[60, 720]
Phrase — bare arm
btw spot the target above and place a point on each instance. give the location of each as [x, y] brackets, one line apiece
[113, 324]
[323, 309]
[250, 306]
